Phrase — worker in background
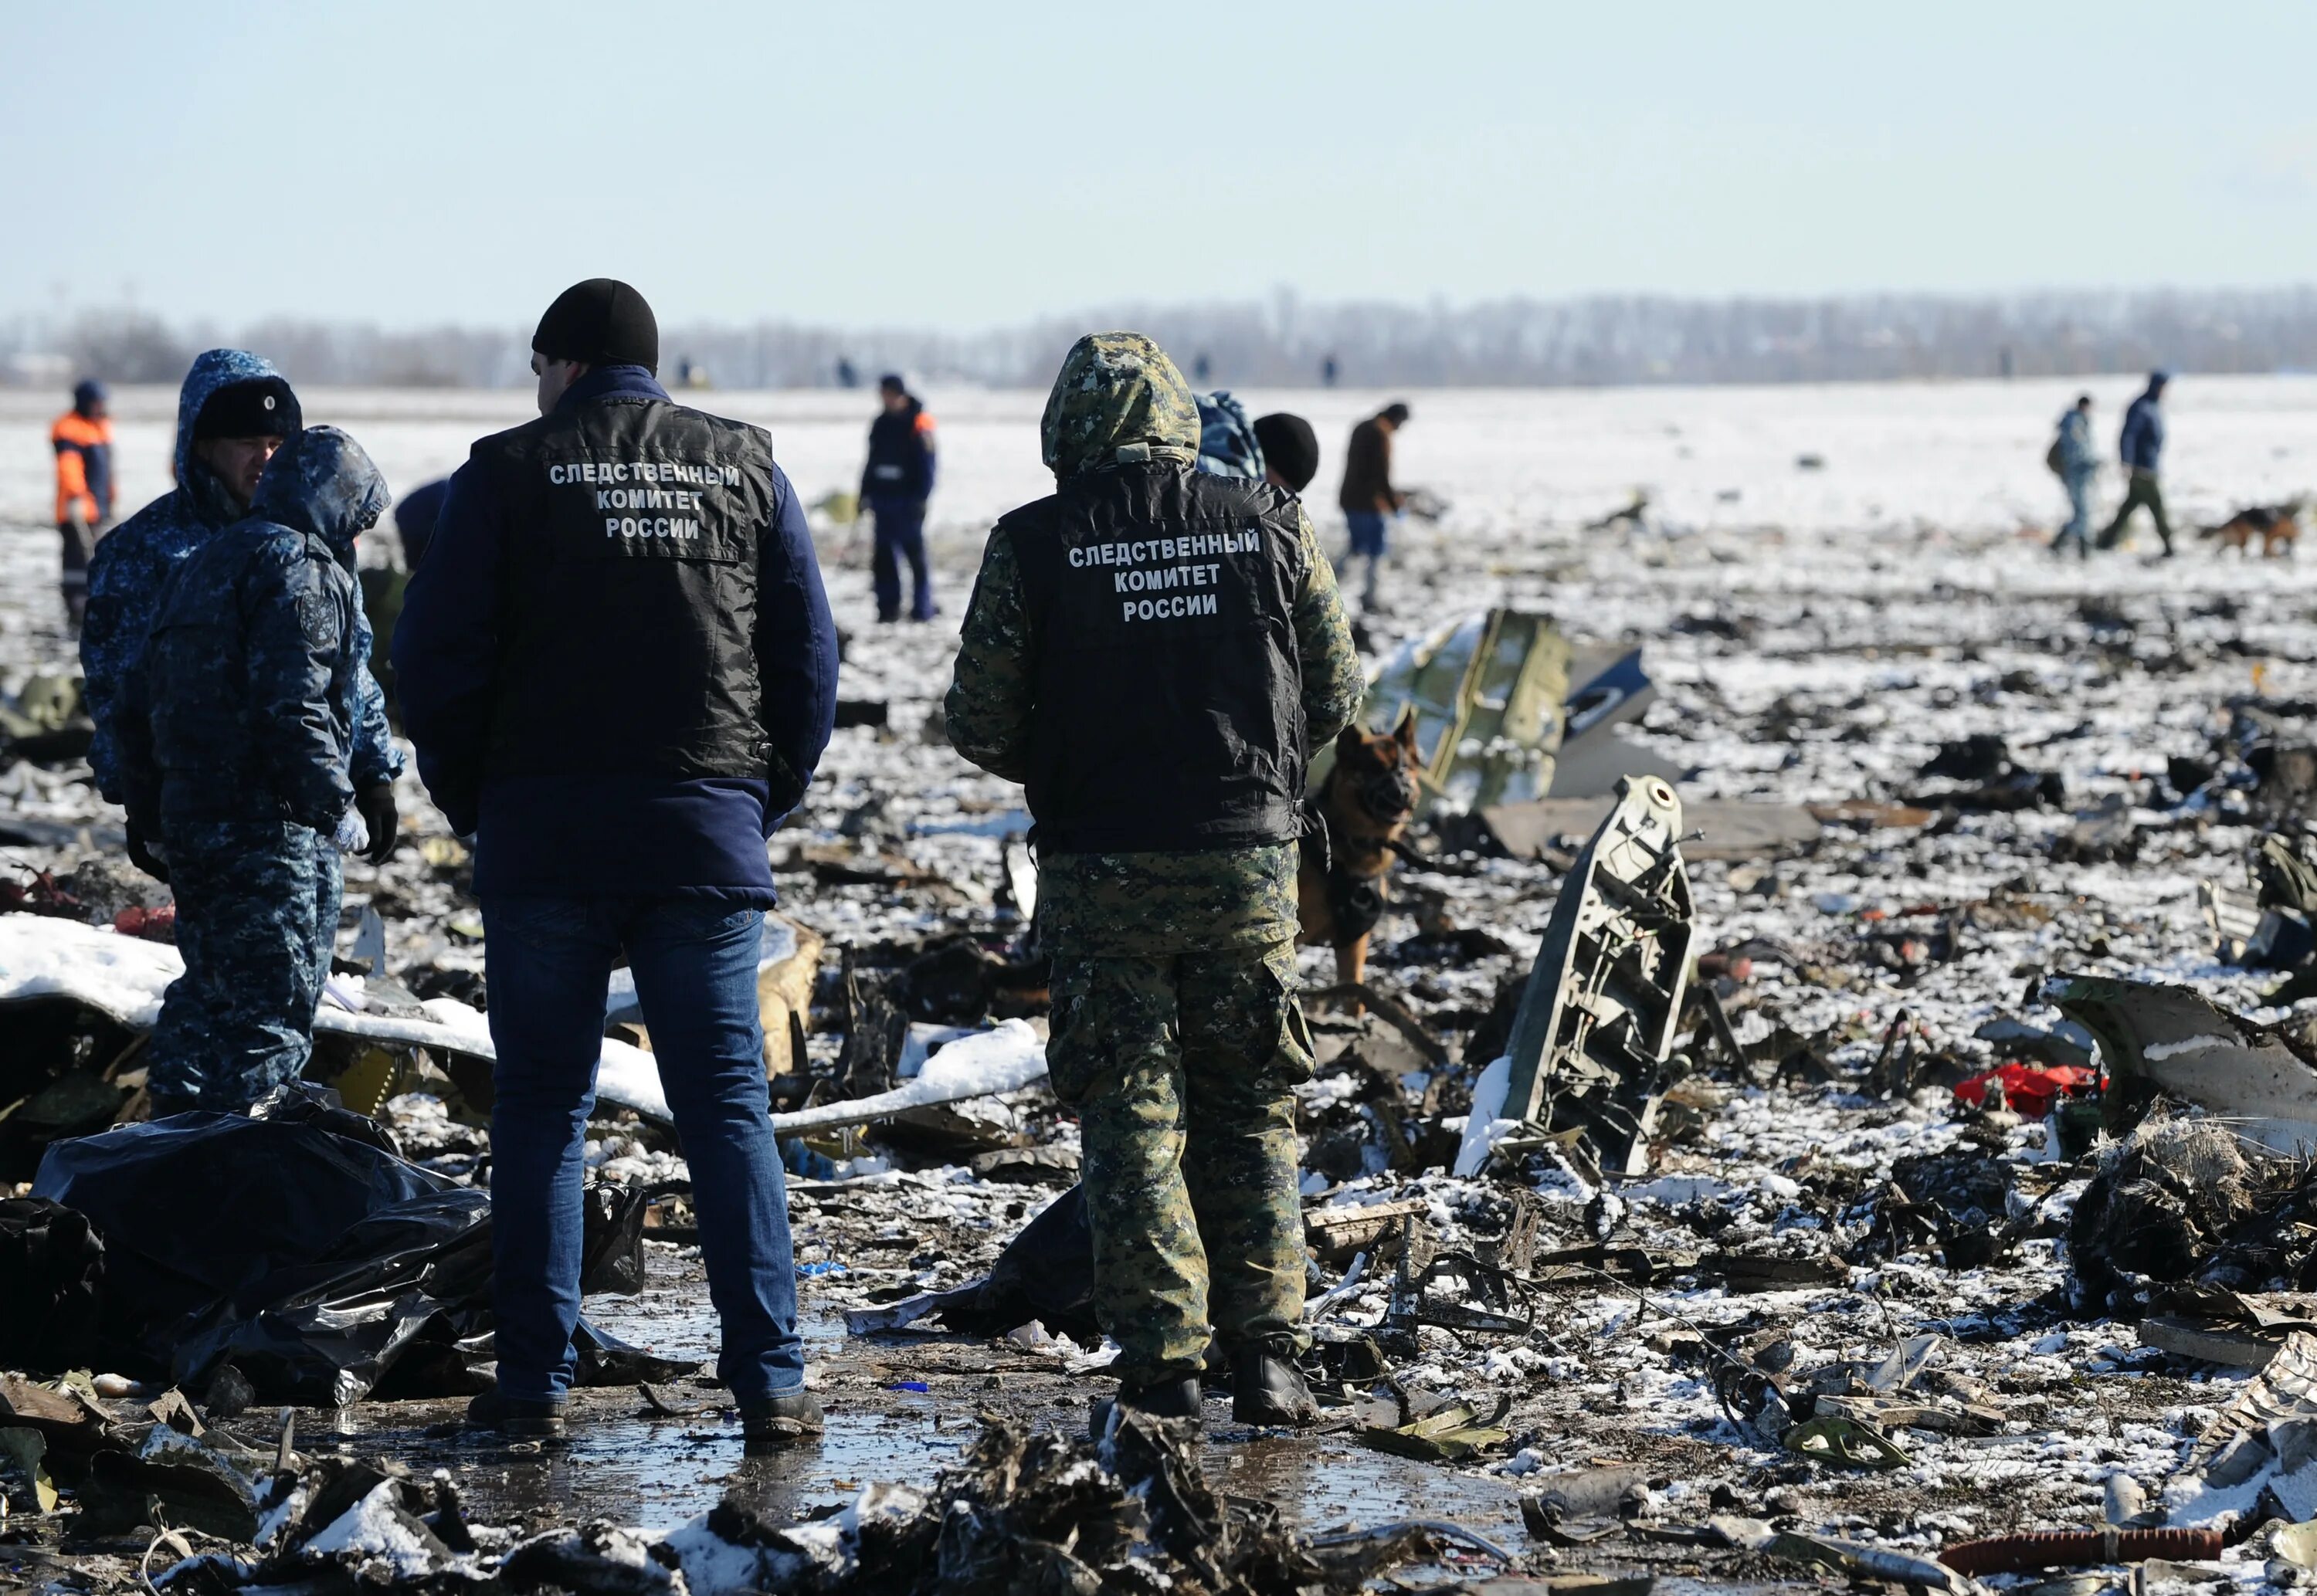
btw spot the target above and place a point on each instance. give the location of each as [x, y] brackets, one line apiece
[1370, 503]
[895, 485]
[415, 513]
[2076, 461]
[237, 744]
[383, 586]
[1160, 703]
[83, 439]
[1227, 444]
[233, 412]
[1279, 449]
[2142, 446]
[618, 668]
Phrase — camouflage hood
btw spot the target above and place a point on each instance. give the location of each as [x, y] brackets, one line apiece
[321, 482]
[1118, 399]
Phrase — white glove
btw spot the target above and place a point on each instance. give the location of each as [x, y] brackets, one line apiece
[352, 835]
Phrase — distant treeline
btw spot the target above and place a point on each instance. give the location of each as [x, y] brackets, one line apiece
[1288, 343]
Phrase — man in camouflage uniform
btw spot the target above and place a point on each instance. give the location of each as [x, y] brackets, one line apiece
[1153, 651]
[237, 742]
[234, 410]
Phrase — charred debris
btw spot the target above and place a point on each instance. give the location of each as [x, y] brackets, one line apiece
[1657, 1177]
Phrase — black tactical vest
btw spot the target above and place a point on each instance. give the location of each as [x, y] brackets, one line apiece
[628, 623]
[1169, 706]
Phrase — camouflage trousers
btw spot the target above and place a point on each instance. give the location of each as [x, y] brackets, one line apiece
[257, 916]
[1179, 1066]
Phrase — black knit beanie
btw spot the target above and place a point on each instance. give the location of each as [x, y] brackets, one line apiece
[261, 407]
[1289, 447]
[601, 322]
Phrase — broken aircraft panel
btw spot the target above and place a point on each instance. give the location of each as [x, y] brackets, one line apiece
[1605, 997]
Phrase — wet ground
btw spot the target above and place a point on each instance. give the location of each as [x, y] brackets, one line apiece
[623, 1461]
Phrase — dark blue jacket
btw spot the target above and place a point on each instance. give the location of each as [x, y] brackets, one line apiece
[134, 561]
[2142, 442]
[243, 707]
[615, 833]
[900, 468]
[415, 513]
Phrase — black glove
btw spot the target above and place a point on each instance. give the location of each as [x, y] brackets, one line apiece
[141, 854]
[376, 803]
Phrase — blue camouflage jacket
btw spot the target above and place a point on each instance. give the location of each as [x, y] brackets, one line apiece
[1227, 445]
[134, 561]
[245, 703]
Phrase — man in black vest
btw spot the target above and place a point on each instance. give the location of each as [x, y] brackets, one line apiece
[1153, 652]
[618, 668]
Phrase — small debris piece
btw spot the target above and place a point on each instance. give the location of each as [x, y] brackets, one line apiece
[24, 1483]
[1847, 1441]
[1449, 1434]
[1849, 1556]
[1028, 1166]
[1333, 1234]
[2080, 1548]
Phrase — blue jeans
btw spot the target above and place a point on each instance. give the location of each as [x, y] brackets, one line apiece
[547, 963]
[1368, 529]
[900, 535]
[2079, 519]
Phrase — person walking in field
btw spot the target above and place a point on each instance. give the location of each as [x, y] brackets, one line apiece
[2076, 459]
[2142, 446]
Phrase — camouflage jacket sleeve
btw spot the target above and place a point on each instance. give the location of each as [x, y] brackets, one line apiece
[988, 703]
[136, 774]
[121, 593]
[1333, 681]
[300, 609]
[376, 758]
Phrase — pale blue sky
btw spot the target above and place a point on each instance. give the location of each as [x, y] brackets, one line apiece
[964, 166]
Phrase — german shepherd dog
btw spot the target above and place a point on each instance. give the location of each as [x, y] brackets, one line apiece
[1365, 803]
[2276, 525]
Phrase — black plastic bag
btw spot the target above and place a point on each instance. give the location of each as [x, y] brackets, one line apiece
[301, 1246]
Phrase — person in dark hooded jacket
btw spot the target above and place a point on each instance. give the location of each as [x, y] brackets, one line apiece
[234, 410]
[895, 483]
[237, 742]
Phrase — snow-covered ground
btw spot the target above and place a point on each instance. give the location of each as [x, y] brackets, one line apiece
[1956, 456]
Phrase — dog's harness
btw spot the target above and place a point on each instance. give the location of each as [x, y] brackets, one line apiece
[1354, 901]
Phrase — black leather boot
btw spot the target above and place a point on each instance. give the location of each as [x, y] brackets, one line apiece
[1267, 1388]
[516, 1417]
[780, 1421]
[1161, 1399]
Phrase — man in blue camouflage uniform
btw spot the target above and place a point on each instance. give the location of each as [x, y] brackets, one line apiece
[235, 740]
[1164, 765]
[234, 410]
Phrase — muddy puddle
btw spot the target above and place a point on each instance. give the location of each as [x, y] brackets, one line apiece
[624, 1462]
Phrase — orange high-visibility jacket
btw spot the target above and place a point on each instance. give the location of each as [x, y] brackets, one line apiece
[84, 466]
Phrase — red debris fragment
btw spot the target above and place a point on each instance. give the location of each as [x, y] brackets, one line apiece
[155, 925]
[2031, 1089]
[40, 895]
